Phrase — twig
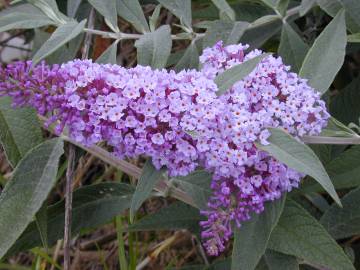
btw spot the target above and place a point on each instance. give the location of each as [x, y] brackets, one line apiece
[87, 41]
[56, 254]
[11, 37]
[15, 47]
[71, 168]
[98, 241]
[202, 251]
[330, 140]
[68, 206]
[160, 247]
[132, 170]
[125, 36]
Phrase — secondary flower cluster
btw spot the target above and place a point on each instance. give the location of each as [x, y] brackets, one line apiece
[140, 111]
[244, 177]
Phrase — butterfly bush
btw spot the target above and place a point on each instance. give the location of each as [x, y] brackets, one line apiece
[178, 120]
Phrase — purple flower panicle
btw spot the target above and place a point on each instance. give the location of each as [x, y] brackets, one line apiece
[140, 111]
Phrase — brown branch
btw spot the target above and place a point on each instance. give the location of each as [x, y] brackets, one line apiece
[68, 206]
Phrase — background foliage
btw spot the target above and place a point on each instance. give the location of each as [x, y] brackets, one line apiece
[120, 222]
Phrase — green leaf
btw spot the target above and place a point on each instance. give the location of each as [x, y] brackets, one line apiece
[190, 59]
[225, 9]
[299, 157]
[50, 8]
[250, 11]
[355, 38]
[257, 36]
[344, 171]
[276, 261]
[301, 235]
[41, 222]
[107, 8]
[153, 19]
[326, 56]
[332, 7]
[109, 55]
[154, 48]
[270, 3]
[335, 128]
[197, 186]
[72, 7]
[61, 36]
[279, 6]
[176, 216]
[93, 206]
[220, 264]
[22, 17]
[180, 8]
[292, 48]
[343, 222]
[132, 12]
[227, 79]
[352, 8]
[19, 130]
[148, 179]
[305, 6]
[229, 32]
[23, 196]
[255, 233]
[65, 53]
[344, 106]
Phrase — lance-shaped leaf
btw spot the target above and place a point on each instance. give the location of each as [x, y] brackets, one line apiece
[227, 79]
[107, 8]
[197, 186]
[257, 36]
[344, 222]
[93, 206]
[41, 223]
[352, 8]
[225, 9]
[176, 216]
[292, 48]
[61, 36]
[344, 106]
[306, 6]
[189, 60]
[301, 235]
[72, 7]
[148, 179]
[299, 157]
[131, 11]
[65, 53]
[344, 171]
[227, 31]
[19, 130]
[355, 38]
[23, 17]
[332, 7]
[180, 8]
[23, 196]
[154, 48]
[255, 233]
[275, 261]
[109, 55]
[326, 56]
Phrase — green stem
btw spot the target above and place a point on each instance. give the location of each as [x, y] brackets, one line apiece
[330, 140]
[121, 242]
[125, 36]
[132, 250]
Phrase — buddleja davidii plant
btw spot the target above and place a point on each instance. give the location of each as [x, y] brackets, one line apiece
[282, 146]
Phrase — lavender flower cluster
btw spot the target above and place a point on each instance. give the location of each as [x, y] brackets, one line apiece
[140, 111]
